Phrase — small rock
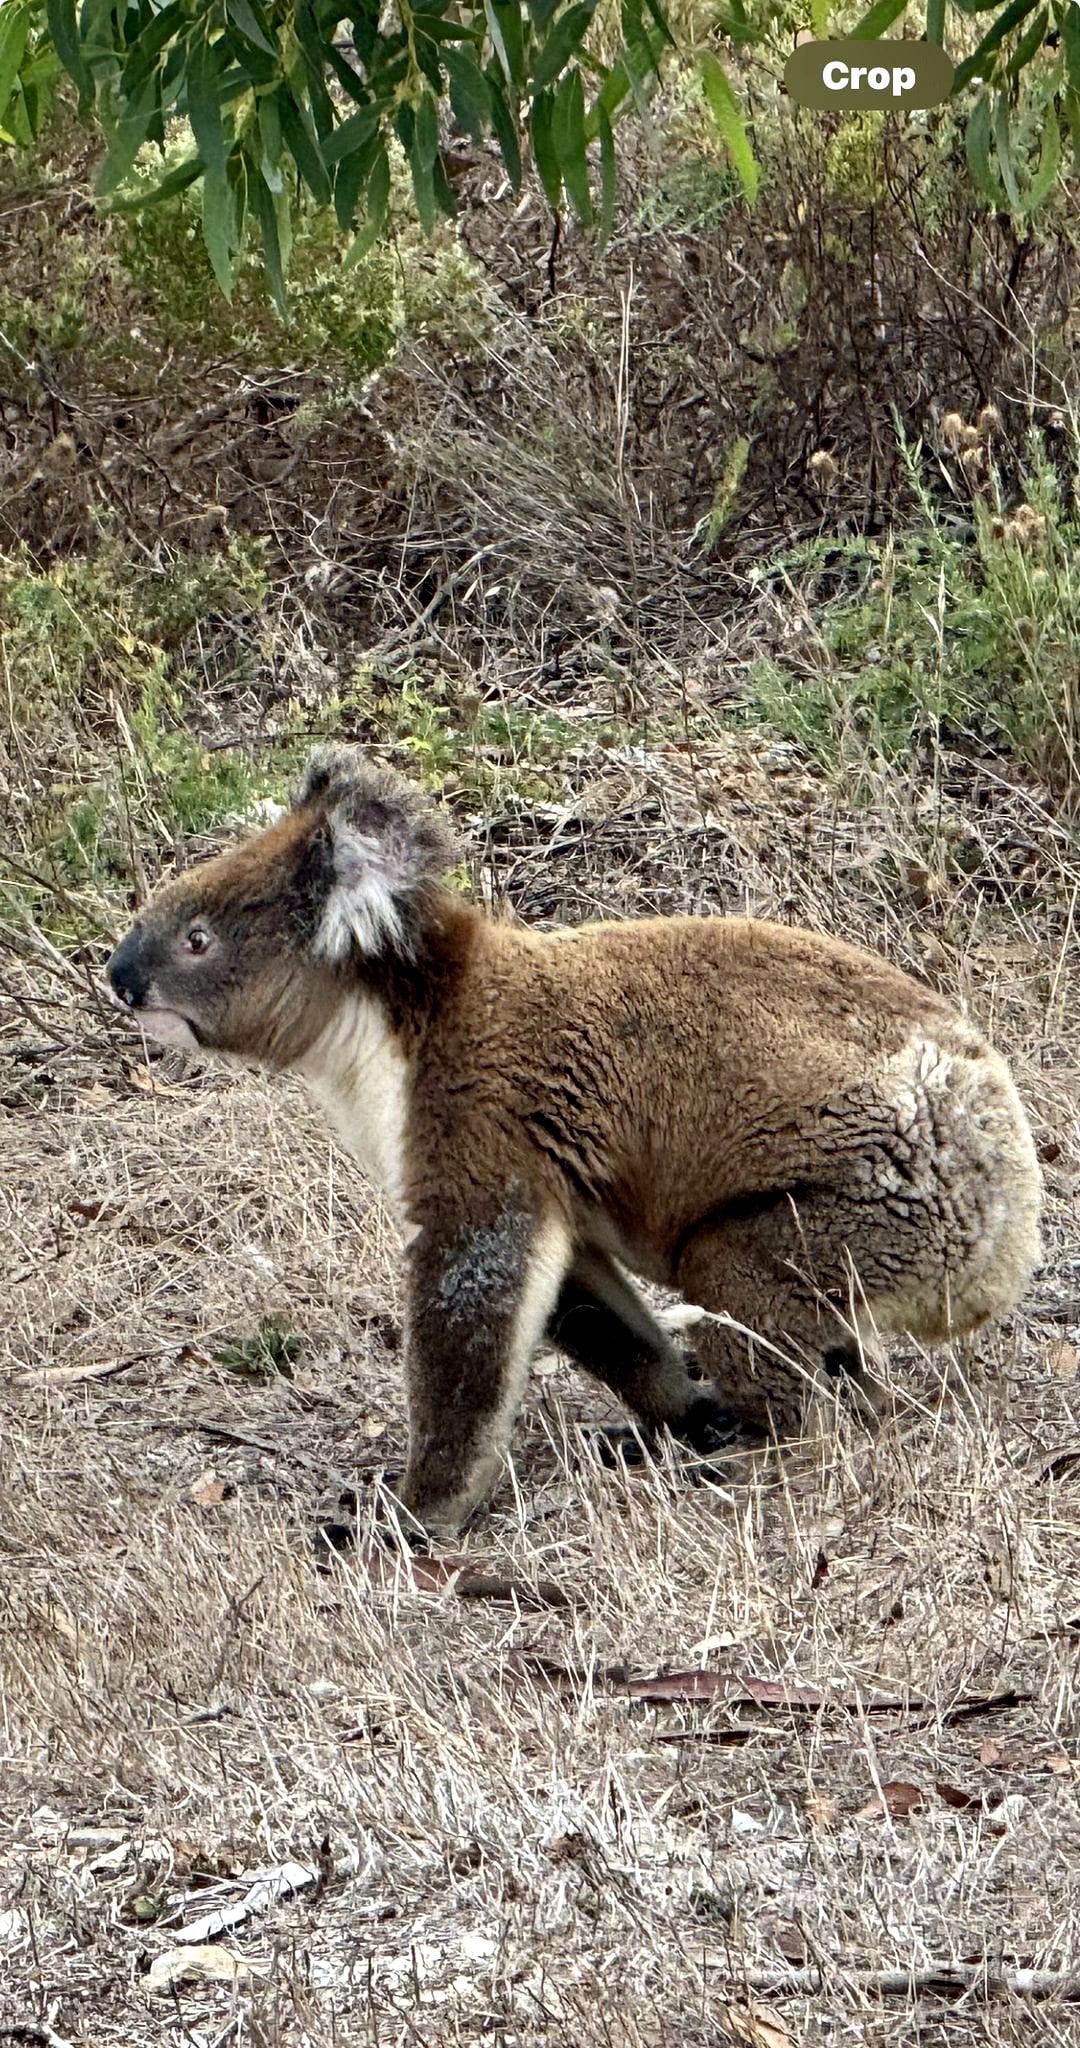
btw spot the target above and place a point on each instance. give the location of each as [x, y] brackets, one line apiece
[208, 1965]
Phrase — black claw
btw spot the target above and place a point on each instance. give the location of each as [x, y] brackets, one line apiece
[708, 1428]
[619, 1443]
[331, 1541]
[336, 1532]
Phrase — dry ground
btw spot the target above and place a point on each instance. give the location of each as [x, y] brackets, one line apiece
[507, 1842]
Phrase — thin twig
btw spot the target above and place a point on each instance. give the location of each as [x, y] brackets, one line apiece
[943, 1980]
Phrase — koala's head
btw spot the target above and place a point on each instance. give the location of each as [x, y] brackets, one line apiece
[248, 953]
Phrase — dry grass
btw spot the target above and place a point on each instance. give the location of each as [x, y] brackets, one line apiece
[506, 1853]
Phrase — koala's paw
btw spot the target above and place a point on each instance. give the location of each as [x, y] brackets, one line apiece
[342, 1521]
[710, 1428]
[621, 1443]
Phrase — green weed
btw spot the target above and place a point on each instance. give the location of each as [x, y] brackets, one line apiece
[269, 1353]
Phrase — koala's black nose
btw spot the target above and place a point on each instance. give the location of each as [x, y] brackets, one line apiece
[127, 971]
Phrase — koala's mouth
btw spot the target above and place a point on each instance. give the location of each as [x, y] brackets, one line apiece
[156, 1021]
[167, 1027]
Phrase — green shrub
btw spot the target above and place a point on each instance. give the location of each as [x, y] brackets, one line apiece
[941, 630]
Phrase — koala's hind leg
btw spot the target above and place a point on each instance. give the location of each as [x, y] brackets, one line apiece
[480, 1293]
[804, 1340]
[602, 1323]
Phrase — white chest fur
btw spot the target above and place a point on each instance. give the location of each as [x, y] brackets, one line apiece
[359, 1076]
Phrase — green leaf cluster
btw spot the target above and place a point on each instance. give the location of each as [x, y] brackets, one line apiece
[283, 96]
[288, 95]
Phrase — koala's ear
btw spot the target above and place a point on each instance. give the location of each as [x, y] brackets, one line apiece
[388, 852]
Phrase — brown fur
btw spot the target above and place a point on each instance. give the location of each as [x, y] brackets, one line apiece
[816, 1150]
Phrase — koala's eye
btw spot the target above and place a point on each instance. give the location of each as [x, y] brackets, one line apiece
[197, 940]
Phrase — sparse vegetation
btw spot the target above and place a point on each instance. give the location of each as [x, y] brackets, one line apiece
[961, 626]
[270, 1352]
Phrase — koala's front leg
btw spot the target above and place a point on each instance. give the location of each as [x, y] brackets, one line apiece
[480, 1293]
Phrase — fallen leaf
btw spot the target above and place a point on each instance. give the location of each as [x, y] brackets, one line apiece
[897, 1798]
[716, 1738]
[1060, 1465]
[208, 1490]
[996, 1755]
[428, 1574]
[95, 1212]
[965, 1709]
[820, 1572]
[112, 1859]
[954, 1795]
[95, 1095]
[146, 1082]
[460, 1576]
[70, 1375]
[686, 1688]
[207, 1964]
[267, 1888]
[754, 2025]
[1063, 1360]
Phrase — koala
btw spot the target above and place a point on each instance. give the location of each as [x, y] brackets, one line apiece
[810, 1147]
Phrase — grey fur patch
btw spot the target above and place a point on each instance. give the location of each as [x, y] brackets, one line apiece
[389, 850]
[484, 1271]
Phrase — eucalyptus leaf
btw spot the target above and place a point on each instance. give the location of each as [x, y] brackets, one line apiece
[470, 93]
[378, 203]
[64, 30]
[262, 202]
[561, 43]
[14, 23]
[568, 143]
[129, 134]
[204, 106]
[547, 163]
[977, 66]
[607, 178]
[729, 122]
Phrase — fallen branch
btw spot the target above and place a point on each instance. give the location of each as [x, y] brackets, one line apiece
[942, 1980]
[401, 636]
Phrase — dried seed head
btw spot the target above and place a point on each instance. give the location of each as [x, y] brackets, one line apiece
[1026, 528]
[823, 468]
[989, 422]
[970, 437]
[60, 457]
[952, 426]
[971, 460]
